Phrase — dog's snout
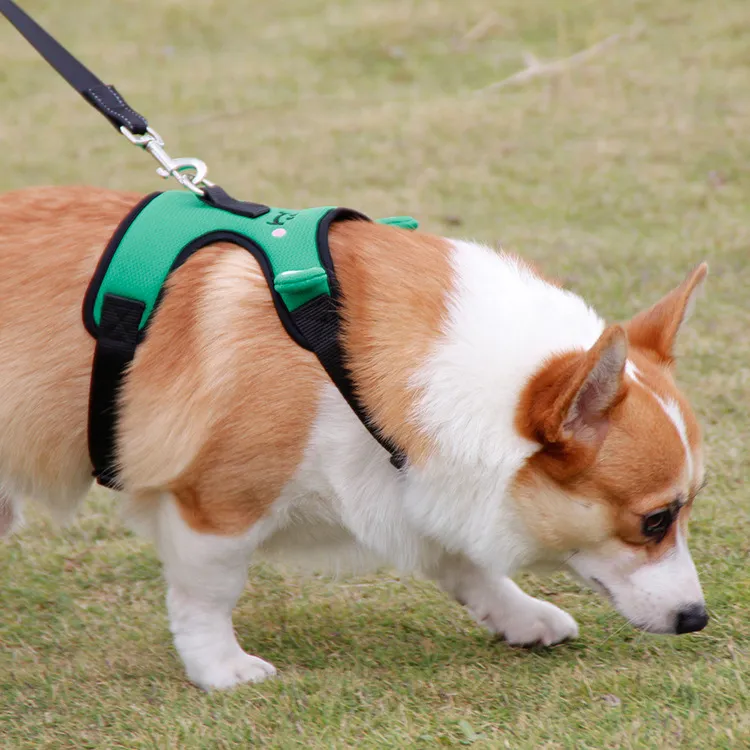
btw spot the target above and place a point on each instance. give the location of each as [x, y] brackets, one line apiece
[691, 618]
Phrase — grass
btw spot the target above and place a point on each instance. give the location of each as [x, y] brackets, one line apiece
[616, 175]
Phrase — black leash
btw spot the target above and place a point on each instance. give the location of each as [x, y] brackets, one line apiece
[104, 98]
[318, 321]
[190, 173]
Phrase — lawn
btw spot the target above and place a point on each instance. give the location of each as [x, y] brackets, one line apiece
[616, 171]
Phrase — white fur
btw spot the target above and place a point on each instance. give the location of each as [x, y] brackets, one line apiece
[348, 508]
[672, 409]
[504, 323]
[651, 595]
[501, 607]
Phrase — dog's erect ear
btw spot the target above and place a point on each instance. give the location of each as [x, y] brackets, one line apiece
[583, 406]
[570, 399]
[656, 329]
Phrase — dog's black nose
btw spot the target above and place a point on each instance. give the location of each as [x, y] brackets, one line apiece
[691, 618]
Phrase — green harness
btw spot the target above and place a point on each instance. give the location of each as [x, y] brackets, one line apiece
[158, 236]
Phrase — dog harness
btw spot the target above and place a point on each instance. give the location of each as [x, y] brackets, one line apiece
[165, 229]
[158, 236]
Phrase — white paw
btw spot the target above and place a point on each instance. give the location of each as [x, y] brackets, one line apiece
[226, 674]
[537, 622]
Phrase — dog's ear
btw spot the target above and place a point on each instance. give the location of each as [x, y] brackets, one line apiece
[580, 411]
[567, 404]
[656, 328]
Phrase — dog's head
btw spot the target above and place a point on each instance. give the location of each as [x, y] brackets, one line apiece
[611, 490]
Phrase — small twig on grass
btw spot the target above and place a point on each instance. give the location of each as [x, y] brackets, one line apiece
[535, 69]
[623, 625]
[479, 30]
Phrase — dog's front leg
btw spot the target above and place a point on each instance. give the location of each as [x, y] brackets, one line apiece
[502, 607]
[205, 576]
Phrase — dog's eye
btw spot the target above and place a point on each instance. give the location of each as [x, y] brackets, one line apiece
[656, 525]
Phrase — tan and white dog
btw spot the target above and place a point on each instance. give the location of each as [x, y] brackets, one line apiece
[535, 433]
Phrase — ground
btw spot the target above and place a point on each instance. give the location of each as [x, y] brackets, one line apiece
[616, 171]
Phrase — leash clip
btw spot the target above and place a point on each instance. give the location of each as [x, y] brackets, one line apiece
[189, 172]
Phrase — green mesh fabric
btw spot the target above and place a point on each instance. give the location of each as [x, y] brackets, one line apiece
[173, 219]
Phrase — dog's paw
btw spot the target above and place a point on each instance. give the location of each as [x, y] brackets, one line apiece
[227, 674]
[537, 622]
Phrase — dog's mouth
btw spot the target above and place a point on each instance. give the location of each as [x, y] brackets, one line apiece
[601, 588]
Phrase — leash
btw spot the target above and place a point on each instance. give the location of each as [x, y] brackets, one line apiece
[317, 321]
[189, 172]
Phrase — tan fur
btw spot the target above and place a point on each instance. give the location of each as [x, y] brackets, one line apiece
[546, 403]
[394, 308]
[655, 330]
[46, 262]
[219, 401]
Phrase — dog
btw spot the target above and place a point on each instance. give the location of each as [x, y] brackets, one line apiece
[536, 435]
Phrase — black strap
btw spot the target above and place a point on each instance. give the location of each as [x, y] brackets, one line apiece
[219, 198]
[115, 349]
[320, 323]
[104, 98]
[318, 320]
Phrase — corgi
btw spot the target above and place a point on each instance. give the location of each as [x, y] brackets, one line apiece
[536, 435]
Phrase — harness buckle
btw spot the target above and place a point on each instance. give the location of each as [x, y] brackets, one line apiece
[189, 172]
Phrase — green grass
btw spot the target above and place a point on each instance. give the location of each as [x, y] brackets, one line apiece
[616, 176]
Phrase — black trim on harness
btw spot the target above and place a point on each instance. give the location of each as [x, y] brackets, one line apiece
[115, 348]
[324, 250]
[104, 98]
[320, 323]
[103, 264]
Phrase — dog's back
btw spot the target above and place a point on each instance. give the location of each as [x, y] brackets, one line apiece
[50, 242]
[219, 402]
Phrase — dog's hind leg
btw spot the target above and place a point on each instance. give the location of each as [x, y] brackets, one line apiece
[502, 607]
[205, 576]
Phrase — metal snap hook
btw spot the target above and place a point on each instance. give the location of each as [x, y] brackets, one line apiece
[189, 172]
